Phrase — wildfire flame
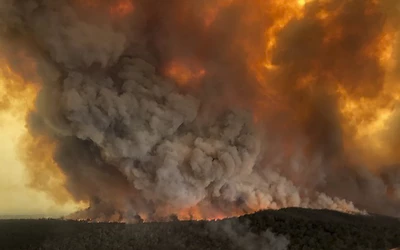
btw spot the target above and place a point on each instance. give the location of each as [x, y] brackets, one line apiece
[184, 74]
[291, 54]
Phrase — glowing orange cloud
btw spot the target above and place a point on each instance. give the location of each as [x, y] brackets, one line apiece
[184, 74]
[122, 8]
[31, 166]
[116, 9]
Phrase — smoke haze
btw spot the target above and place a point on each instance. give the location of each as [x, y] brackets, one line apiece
[241, 235]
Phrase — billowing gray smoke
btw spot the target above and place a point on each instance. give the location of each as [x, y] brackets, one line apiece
[133, 143]
[144, 128]
[149, 132]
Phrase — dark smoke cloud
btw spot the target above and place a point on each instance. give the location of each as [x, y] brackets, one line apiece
[131, 142]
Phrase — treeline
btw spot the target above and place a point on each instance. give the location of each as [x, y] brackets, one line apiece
[303, 229]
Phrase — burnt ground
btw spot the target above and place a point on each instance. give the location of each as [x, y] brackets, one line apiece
[305, 228]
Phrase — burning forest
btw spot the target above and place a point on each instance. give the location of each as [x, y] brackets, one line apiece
[149, 110]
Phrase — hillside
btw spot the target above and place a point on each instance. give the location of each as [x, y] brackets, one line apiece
[303, 228]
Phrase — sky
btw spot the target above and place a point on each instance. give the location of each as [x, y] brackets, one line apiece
[16, 198]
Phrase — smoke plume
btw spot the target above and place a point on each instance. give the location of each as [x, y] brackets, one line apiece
[208, 109]
[240, 234]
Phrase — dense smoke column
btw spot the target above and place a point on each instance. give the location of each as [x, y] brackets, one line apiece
[152, 104]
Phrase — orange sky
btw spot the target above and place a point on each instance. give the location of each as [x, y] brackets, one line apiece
[15, 196]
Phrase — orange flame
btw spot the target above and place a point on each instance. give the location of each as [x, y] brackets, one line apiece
[184, 74]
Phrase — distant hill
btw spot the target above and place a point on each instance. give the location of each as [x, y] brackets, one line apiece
[22, 216]
[293, 227]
